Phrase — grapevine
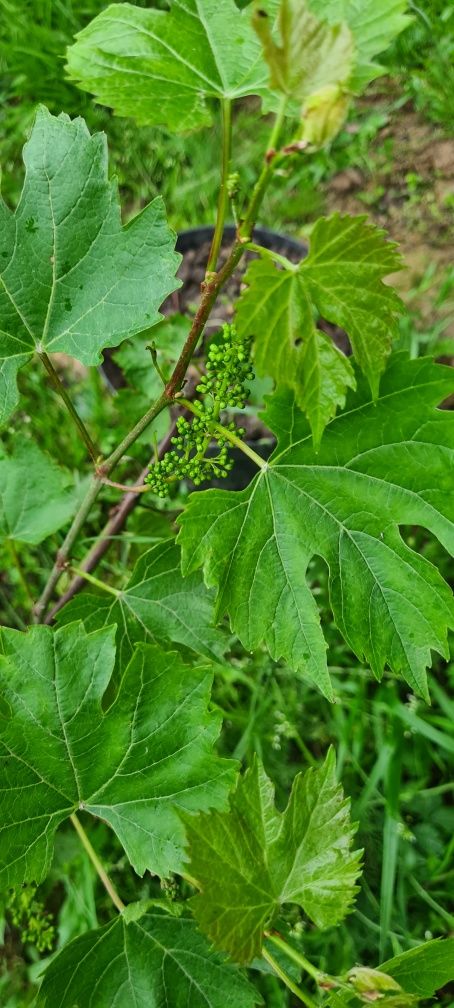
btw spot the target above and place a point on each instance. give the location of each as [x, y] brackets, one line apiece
[138, 707]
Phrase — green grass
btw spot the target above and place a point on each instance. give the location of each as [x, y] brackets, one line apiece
[422, 58]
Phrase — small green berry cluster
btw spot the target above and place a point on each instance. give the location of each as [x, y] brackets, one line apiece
[228, 367]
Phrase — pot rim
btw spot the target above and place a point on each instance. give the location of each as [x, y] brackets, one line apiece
[193, 238]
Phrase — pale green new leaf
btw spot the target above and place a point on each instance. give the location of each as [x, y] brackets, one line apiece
[133, 765]
[381, 465]
[156, 604]
[37, 496]
[311, 54]
[250, 861]
[72, 278]
[162, 67]
[374, 24]
[154, 961]
[342, 280]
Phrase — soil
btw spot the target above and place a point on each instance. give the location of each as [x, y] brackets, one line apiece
[408, 189]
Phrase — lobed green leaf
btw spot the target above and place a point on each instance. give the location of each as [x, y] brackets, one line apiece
[342, 280]
[251, 860]
[156, 605]
[154, 961]
[90, 282]
[133, 764]
[382, 464]
[162, 68]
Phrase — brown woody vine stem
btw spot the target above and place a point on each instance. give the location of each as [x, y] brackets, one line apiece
[111, 529]
[210, 289]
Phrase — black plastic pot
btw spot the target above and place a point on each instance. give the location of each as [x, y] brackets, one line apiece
[193, 238]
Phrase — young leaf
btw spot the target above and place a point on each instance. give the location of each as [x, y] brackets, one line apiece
[381, 464]
[89, 281]
[155, 961]
[420, 972]
[251, 860]
[133, 765]
[312, 53]
[157, 604]
[37, 497]
[160, 68]
[324, 54]
[374, 26]
[425, 969]
[341, 279]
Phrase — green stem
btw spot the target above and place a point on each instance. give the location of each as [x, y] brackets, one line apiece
[297, 958]
[66, 547]
[269, 254]
[266, 174]
[444, 914]
[61, 391]
[95, 581]
[293, 987]
[106, 881]
[158, 406]
[234, 440]
[226, 116]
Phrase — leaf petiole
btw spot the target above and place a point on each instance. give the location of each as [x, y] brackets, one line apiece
[269, 254]
[229, 435]
[61, 391]
[292, 986]
[106, 881]
[297, 958]
[96, 582]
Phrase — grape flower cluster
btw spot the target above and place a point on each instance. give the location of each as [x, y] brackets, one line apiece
[223, 387]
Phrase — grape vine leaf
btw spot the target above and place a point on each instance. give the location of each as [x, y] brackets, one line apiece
[425, 969]
[37, 496]
[157, 604]
[381, 464]
[373, 25]
[251, 860]
[312, 53]
[420, 971]
[162, 68]
[90, 282]
[155, 961]
[342, 280]
[133, 765]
